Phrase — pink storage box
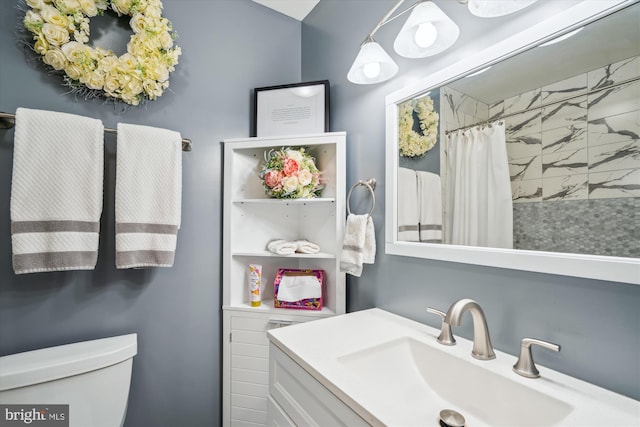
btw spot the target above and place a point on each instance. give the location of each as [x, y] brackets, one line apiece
[304, 304]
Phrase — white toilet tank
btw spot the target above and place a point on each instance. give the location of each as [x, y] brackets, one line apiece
[92, 377]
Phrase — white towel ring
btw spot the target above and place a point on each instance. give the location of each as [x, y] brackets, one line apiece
[370, 184]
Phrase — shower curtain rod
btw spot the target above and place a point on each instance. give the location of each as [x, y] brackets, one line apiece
[485, 122]
[8, 120]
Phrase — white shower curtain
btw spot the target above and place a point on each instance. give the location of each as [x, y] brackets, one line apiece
[478, 206]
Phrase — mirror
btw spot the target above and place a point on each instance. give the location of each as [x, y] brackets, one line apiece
[562, 99]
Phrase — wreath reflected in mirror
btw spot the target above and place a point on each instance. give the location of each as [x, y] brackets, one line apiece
[60, 30]
[417, 127]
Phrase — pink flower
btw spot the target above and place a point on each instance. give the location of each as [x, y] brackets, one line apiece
[273, 178]
[290, 167]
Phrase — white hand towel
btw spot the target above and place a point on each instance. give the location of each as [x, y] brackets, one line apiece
[148, 196]
[430, 190]
[306, 247]
[369, 250]
[282, 247]
[408, 206]
[358, 244]
[56, 191]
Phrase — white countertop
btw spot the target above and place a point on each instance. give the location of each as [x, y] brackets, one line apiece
[320, 346]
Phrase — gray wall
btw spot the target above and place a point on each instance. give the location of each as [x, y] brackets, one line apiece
[596, 322]
[229, 47]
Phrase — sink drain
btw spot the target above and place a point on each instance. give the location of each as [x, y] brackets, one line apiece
[451, 418]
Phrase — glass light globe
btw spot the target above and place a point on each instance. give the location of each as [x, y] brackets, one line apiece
[371, 70]
[426, 34]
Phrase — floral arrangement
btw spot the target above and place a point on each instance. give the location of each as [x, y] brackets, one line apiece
[410, 142]
[60, 30]
[290, 173]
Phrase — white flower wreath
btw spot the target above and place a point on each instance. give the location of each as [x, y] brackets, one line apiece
[410, 142]
[60, 30]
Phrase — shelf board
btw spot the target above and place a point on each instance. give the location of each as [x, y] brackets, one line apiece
[318, 200]
[319, 255]
[267, 307]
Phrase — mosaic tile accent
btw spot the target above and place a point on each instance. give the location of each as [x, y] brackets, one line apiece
[600, 227]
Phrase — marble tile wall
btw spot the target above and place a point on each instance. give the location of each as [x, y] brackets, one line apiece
[580, 148]
[579, 156]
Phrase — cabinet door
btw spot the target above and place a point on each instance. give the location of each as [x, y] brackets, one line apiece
[248, 355]
[303, 398]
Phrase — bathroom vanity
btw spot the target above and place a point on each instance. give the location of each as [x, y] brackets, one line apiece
[375, 368]
[251, 219]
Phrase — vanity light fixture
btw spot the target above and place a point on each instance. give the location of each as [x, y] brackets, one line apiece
[428, 31]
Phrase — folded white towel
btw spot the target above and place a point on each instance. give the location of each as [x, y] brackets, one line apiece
[282, 247]
[359, 245]
[148, 196]
[306, 247]
[408, 211]
[430, 191]
[56, 191]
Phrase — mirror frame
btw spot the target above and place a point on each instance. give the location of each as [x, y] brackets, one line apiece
[617, 269]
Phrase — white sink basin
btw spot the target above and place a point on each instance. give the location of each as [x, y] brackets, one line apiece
[416, 373]
[392, 372]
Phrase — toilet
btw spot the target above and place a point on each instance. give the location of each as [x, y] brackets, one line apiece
[92, 377]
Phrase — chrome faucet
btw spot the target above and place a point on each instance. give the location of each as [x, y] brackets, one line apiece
[525, 366]
[482, 348]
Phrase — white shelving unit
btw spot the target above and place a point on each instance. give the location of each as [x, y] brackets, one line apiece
[251, 219]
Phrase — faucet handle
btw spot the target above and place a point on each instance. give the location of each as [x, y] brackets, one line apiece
[525, 366]
[446, 336]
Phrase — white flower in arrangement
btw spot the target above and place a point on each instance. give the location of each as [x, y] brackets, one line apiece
[413, 143]
[56, 58]
[60, 31]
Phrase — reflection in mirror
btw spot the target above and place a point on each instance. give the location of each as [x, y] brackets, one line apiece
[540, 152]
[554, 121]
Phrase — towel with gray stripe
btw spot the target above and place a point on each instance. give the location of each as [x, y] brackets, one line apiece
[359, 244]
[148, 196]
[56, 191]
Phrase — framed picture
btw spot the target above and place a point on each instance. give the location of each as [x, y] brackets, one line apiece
[293, 109]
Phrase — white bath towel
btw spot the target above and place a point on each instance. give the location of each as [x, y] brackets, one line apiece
[282, 247]
[359, 245]
[430, 191]
[56, 191]
[148, 196]
[306, 247]
[408, 211]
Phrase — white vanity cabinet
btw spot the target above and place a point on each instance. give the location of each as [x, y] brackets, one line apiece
[251, 219]
[298, 399]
